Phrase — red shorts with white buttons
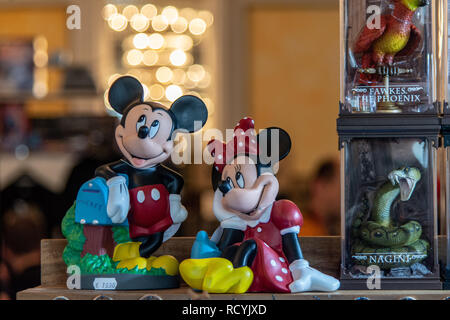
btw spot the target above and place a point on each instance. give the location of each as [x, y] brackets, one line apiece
[149, 210]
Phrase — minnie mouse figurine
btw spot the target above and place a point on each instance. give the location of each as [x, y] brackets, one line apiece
[140, 187]
[256, 248]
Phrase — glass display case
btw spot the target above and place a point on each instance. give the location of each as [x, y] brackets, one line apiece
[446, 144]
[389, 202]
[388, 56]
[445, 92]
[444, 77]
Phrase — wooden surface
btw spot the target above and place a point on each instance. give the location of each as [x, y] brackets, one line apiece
[184, 293]
[322, 252]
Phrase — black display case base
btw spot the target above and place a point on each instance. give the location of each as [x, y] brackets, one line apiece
[446, 280]
[128, 282]
[392, 284]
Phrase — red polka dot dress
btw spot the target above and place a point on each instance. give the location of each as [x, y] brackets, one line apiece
[270, 266]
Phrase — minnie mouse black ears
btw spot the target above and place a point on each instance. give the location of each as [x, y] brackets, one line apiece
[123, 92]
[274, 144]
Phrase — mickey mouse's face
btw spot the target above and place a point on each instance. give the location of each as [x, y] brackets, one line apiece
[144, 139]
[144, 135]
[246, 193]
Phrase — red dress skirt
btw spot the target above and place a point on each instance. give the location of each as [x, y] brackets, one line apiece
[270, 267]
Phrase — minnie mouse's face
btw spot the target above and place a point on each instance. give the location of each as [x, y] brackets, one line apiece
[144, 139]
[246, 193]
[246, 185]
[144, 135]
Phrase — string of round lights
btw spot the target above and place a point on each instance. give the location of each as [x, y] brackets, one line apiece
[158, 48]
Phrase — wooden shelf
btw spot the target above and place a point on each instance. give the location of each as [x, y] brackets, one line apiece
[322, 252]
[185, 293]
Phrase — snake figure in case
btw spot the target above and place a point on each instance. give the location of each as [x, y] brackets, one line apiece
[379, 239]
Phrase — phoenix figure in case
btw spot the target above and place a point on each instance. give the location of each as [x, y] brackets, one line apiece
[388, 38]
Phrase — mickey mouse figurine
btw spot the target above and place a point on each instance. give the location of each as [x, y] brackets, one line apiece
[256, 247]
[140, 187]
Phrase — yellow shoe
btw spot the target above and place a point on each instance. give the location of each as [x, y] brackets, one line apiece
[150, 261]
[168, 263]
[139, 262]
[216, 275]
[125, 251]
[243, 277]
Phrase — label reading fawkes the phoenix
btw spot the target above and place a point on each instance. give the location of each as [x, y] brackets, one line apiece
[367, 98]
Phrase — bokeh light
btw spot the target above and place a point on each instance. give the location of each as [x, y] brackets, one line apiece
[206, 16]
[180, 25]
[160, 23]
[156, 92]
[139, 22]
[40, 58]
[134, 57]
[108, 11]
[149, 10]
[40, 43]
[129, 11]
[113, 78]
[140, 41]
[179, 76]
[156, 41]
[150, 58]
[209, 105]
[171, 14]
[196, 72]
[146, 91]
[173, 92]
[205, 81]
[188, 13]
[178, 57]
[164, 74]
[40, 89]
[197, 26]
[118, 22]
[158, 49]
[183, 42]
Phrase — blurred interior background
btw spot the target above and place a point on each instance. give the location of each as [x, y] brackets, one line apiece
[274, 60]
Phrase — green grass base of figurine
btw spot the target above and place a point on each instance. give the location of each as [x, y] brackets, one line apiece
[99, 272]
[92, 264]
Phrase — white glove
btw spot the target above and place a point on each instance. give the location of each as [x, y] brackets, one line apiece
[118, 199]
[178, 212]
[309, 279]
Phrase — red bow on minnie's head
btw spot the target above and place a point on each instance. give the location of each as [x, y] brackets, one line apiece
[244, 142]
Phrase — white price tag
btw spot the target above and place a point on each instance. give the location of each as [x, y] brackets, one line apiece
[105, 284]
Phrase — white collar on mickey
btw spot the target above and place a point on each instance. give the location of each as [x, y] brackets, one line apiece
[230, 220]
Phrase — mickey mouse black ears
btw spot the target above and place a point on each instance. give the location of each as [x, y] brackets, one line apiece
[190, 113]
[123, 92]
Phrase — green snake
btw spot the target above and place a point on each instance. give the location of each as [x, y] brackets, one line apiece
[379, 240]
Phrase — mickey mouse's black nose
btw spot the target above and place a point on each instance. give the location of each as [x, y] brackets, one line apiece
[143, 132]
